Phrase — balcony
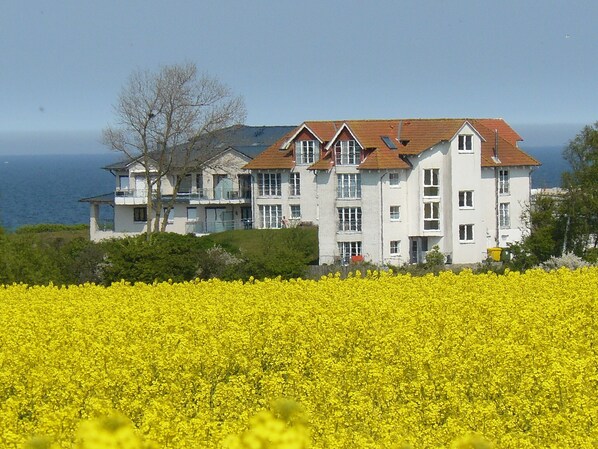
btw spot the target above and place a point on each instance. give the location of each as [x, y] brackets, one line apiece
[135, 197]
[210, 227]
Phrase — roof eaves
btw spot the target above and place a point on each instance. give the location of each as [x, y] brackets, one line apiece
[338, 132]
[299, 129]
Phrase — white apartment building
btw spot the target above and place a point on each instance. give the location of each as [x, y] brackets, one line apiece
[214, 197]
[387, 191]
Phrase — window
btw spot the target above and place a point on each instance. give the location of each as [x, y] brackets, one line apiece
[465, 143]
[185, 186]
[123, 182]
[504, 215]
[393, 179]
[395, 213]
[431, 216]
[269, 184]
[466, 199]
[295, 211]
[431, 184]
[199, 182]
[395, 247]
[305, 151]
[349, 249]
[192, 214]
[466, 233]
[347, 152]
[295, 184]
[271, 216]
[140, 214]
[170, 218]
[349, 219]
[348, 186]
[503, 182]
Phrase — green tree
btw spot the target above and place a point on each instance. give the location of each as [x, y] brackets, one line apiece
[580, 205]
[546, 222]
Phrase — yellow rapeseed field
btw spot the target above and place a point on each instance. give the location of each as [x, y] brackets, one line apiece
[377, 362]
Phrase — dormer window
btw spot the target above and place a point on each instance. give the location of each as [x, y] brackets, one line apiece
[347, 152]
[306, 151]
[465, 143]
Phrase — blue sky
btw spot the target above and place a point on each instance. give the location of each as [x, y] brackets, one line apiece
[531, 62]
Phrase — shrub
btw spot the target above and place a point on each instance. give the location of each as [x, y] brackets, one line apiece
[567, 260]
[434, 258]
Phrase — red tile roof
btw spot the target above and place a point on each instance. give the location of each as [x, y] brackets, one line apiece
[410, 136]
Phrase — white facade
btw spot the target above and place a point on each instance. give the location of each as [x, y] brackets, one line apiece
[212, 199]
[442, 195]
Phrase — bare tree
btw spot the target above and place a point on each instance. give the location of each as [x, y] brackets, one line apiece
[165, 121]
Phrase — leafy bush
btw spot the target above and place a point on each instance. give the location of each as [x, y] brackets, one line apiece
[434, 258]
[50, 227]
[567, 260]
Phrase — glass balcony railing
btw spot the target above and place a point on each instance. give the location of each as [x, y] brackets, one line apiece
[210, 227]
[196, 194]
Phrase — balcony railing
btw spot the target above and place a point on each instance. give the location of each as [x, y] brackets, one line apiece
[196, 195]
[210, 227]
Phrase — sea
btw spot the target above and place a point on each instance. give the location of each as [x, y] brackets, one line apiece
[38, 189]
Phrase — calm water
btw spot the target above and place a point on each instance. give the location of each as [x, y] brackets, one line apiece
[46, 189]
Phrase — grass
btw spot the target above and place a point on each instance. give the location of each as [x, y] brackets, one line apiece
[258, 241]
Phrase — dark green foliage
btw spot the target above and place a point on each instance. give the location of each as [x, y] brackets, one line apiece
[284, 252]
[581, 200]
[166, 256]
[27, 259]
[50, 227]
[48, 254]
[434, 258]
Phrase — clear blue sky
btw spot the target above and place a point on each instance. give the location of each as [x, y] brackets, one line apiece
[532, 62]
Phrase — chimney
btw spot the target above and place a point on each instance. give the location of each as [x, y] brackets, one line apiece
[496, 144]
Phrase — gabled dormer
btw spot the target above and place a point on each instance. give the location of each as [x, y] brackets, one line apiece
[345, 147]
[305, 145]
[467, 140]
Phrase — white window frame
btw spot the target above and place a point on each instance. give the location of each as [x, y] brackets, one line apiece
[395, 213]
[349, 249]
[504, 215]
[348, 185]
[269, 184]
[431, 216]
[295, 184]
[465, 143]
[503, 182]
[431, 182]
[466, 233]
[466, 199]
[271, 216]
[293, 209]
[394, 179]
[349, 219]
[347, 152]
[395, 247]
[306, 152]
